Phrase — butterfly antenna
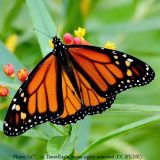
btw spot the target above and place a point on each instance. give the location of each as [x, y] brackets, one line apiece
[56, 29]
[42, 32]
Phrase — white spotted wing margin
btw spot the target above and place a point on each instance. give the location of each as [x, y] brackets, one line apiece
[32, 103]
[125, 70]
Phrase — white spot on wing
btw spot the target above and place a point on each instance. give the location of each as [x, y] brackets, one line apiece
[130, 60]
[14, 99]
[13, 107]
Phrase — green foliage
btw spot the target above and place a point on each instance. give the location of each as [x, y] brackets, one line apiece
[43, 22]
[122, 130]
[60, 145]
[131, 125]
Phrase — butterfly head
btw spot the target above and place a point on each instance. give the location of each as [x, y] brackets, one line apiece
[56, 42]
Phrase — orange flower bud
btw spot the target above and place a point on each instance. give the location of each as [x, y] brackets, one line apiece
[22, 74]
[9, 70]
[4, 91]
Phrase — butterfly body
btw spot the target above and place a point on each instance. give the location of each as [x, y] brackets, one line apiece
[71, 82]
[64, 61]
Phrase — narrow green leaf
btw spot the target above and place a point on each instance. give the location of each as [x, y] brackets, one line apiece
[134, 108]
[73, 14]
[121, 131]
[124, 27]
[10, 16]
[42, 21]
[83, 134]
[142, 9]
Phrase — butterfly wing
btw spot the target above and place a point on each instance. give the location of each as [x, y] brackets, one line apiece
[49, 93]
[109, 72]
[76, 106]
[100, 74]
[36, 101]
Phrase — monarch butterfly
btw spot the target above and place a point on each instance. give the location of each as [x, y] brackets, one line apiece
[71, 82]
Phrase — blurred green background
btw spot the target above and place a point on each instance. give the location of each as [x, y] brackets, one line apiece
[134, 25]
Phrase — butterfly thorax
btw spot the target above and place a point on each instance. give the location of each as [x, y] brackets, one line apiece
[58, 45]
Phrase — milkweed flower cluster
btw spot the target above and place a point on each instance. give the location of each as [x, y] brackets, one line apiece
[9, 70]
[79, 39]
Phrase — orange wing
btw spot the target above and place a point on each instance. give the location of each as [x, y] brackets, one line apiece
[75, 107]
[37, 99]
[66, 87]
[100, 74]
[109, 72]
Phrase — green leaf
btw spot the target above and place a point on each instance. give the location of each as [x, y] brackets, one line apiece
[134, 108]
[124, 27]
[83, 134]
[7, 24]
[67, 129]
[121, 131]
[42, 21]
[73, 13]
[60, 145]
[73, 135]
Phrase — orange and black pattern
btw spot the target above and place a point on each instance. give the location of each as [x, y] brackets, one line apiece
[71, 82]
[110, 71]
[36, 101]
